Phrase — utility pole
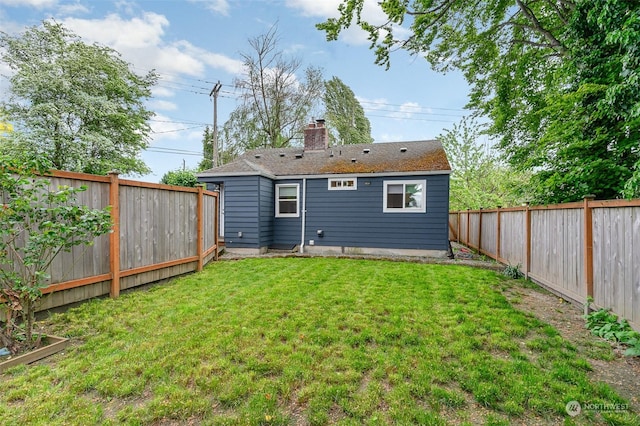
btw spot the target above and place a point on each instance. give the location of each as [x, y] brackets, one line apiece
[214, 93]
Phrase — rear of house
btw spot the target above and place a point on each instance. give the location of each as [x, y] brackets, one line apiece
[381, 198]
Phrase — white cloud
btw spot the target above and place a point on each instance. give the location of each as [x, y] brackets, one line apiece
[121, 34]
[158, 104]
[217, 6]
[38, 4]
[315, 8]
[72, 9]
[230, 65]
[163, 92]
[140, 41]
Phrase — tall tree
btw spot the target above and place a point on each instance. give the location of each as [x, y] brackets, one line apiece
[479, 179]
[345, 116]
[78, 105]
[538, 70]
[591, 144]
[207, 150]
[277, 97]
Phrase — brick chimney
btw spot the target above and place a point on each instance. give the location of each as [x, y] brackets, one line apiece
[316, 137]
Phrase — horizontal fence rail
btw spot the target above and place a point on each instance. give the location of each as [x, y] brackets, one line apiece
[159, 231]
[577, 250]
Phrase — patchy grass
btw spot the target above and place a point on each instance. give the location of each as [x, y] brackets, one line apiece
[308, 341]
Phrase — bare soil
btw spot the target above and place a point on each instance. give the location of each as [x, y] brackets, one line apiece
[609, 364]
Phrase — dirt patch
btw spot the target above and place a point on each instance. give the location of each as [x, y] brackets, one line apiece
[609, 364]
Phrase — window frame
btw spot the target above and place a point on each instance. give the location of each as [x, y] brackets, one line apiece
[404, 183]
[277, 197]
[342, 188]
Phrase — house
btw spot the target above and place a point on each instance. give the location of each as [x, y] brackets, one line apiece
[380, 198]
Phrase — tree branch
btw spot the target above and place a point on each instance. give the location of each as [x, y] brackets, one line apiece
[553, 41]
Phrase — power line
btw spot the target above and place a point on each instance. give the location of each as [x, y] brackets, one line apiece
[178, 130]
[162, 150]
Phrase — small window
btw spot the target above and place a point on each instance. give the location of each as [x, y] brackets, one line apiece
[343, 184]
[287, 200]
[404, 196]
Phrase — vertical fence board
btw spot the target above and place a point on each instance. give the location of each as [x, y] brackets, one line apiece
[512, 237]
[489, 233]
[634, 293]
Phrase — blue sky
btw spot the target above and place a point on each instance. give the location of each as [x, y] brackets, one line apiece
[193, 44]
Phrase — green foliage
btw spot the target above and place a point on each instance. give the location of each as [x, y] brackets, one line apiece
[37, 222]
[557, 80]
[181, 177]
[207, 150]
[479, 179]
[80, 106]
[590, 142]
[513, 271]
[345, 117]
[605, 324]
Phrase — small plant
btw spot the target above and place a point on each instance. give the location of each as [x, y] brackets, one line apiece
[603, 323]
[37, 222]
[513, 271]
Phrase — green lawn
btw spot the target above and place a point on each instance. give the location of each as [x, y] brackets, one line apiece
[308, 341]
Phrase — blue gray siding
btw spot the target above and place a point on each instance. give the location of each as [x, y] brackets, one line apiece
[356, 218]
[287, 230]
[267, 211]
[243, 204]
[347, 218]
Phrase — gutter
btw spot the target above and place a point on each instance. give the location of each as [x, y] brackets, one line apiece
[304, 213]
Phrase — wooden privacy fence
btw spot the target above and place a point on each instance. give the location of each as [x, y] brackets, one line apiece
[587, 248]
[159, 231]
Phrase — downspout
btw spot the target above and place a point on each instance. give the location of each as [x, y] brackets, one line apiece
[304, 213]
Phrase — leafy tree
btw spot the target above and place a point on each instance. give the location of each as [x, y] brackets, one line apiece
[182, 177]
[78, 105]
[37, 222]
[557, 79]
[479, 179]
[345, 117]
[276, 100]
[591, 143]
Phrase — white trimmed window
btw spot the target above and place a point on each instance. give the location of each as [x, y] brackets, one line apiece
[287, 200]
[405, 196]
[349, 184]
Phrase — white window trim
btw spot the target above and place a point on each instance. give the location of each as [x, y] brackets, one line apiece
[421, 209]
[343, 188]
[297, 213]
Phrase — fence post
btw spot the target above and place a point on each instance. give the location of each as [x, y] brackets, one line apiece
[480, 230]
[200, 226]
[527, 257]
[114, 237]
[588, 248]
[498, 234]
[468, 242]
[458, 234]
[216, 230]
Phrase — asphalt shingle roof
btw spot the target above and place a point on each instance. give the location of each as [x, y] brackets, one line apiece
[388, 157]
